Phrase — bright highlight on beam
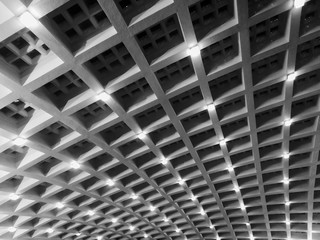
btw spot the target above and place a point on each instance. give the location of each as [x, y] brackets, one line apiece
[164, 161]
[202, 212]
[19, 141]
[248, 224]
[286, 155]
[28, 20]
[242, 207]
[142, 135]
[99, 238]
[211, 226]
[59, 205]
[230, 168]
[110, 182]
[292, 76]
[13, 196]
[145, 235]
[131, 228]
[114, 220]
[222, 142]
[152, 208]
[181, 181]
[90, 213]
[299, 3]
[49, 230]
[236, 189]
[134, 196]
[287, 122]
[165, 219]
[193, 198]
[178, 230]
[286, 181]
[287, 203]
[78, 234]
[211, 107]
[74, 165]
[194, 51]
[12, 229]
[103, 96]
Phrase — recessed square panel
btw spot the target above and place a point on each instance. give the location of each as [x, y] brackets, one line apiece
[187, 101]
[231, 108]
[235, 128]
[308, 53]
[110, 64]
[269, 117]
[226, 85]
[22, 51]
[258, 6]
[176, 75]
[303, 126]
[132, 8]
[173, 148]
[160, 38]
[203, 138]
[269, 95]
[16, 113]
[115, 133]
[62, 89]
[305, 106]
[207, 15]
[52, 134]
[151, 117]
[306, 83]
[196, 121]
[76, 21]
[166, 133]
[268, 32]
[219, 53]
[131, 147]
[271, 134]
[78, 149]
[12, 157]
[239, 144]
[94, 113]
[268, 68]
[310, 17]
[134, 95]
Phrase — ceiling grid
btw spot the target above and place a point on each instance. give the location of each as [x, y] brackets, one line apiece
[159, 119]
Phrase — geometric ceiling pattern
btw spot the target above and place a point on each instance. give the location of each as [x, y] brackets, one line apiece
[159, 119]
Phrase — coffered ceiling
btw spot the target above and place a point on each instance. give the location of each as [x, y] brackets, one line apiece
[159, 119]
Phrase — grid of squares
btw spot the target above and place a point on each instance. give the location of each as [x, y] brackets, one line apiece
[77, 21]
[22, 51]
[140, 140]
